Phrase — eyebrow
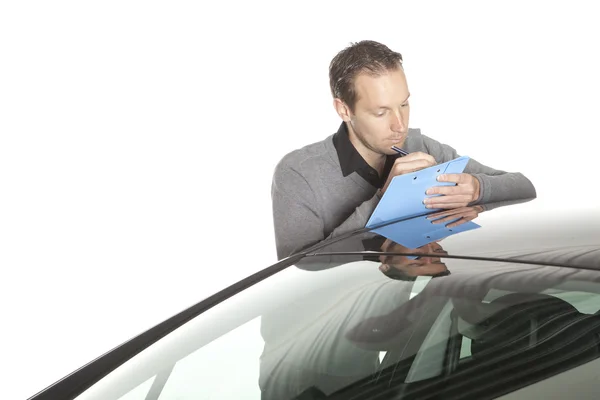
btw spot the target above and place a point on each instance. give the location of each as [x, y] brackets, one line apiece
[381, 107]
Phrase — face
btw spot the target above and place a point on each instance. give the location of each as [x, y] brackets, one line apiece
[423, 266]
[381, 113]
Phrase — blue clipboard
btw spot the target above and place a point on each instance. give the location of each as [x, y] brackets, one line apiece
[419, 231]
[404, 196]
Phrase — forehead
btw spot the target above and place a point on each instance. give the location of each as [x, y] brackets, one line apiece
[389, 88]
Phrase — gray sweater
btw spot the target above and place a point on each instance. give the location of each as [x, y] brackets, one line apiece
[313, 201]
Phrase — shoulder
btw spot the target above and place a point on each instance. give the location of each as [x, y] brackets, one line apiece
[305, 160]
[414, 140]
[414, 133]
[417, 141]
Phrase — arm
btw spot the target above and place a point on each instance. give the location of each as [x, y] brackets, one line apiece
[495, 186]
[298, 219]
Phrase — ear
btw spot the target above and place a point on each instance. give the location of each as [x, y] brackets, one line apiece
[342, 109]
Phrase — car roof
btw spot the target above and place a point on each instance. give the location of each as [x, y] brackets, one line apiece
[519, 233]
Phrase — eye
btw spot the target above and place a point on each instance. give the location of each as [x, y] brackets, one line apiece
[405, 105]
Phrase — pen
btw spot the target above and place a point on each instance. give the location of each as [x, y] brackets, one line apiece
[399, 150]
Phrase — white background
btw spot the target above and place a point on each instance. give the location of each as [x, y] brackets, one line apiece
[138, 140]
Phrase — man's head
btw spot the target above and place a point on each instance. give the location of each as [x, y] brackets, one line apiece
[370, 94]
[408, 268]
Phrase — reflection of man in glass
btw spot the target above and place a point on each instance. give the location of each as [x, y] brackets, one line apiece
[399, 267]
[308, 348]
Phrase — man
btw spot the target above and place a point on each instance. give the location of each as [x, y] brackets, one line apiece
[331, 187]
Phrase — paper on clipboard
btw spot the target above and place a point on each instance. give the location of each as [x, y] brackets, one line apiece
[403, 199]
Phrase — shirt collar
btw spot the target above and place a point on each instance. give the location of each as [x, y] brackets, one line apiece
[351, 160]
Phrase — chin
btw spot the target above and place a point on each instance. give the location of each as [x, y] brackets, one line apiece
[389, 151]
[397, 143]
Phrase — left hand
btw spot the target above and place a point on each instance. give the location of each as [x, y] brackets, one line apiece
[458, 215]
[464, 192]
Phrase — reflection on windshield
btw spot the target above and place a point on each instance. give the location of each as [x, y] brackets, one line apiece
[336, 335]
[412, 327]
[407, 267]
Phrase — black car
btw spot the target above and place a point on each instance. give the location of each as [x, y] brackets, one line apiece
[508, 310]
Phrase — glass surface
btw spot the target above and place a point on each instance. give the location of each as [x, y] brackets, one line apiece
[140, 392]
[395, 327]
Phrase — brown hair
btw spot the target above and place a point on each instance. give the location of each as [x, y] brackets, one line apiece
[366, 56]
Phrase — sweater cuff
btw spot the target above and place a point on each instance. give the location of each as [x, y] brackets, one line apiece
[484, 190]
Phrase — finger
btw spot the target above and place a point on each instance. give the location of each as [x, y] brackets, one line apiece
[440, 214]
[462, 221]
[446, 190]
[462, 199]
[386, 245]
[411, 166]
[446, 206]
[418, 155]
[405, 169]
[457, 223]
[448, 198]
[456, 178]
[447, 219]
[449, 212]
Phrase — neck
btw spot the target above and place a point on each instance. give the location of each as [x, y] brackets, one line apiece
[374, 159]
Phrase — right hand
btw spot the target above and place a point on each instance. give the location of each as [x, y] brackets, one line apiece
[410, 163]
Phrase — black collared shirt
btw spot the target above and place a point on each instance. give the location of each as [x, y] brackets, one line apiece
[351, 161]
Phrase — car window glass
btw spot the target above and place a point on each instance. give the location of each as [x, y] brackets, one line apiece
[245, 336]
[201, 374]
[140, 392]
[346, 329]
[436, 345]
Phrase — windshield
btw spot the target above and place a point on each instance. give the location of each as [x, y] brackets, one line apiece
[369, 327]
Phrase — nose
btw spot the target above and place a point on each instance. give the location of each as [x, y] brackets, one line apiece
[398, 122]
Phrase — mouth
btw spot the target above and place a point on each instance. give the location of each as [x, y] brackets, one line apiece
[397, 139]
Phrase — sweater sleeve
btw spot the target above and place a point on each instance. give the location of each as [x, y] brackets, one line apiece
[496, 187]
[297, 218]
